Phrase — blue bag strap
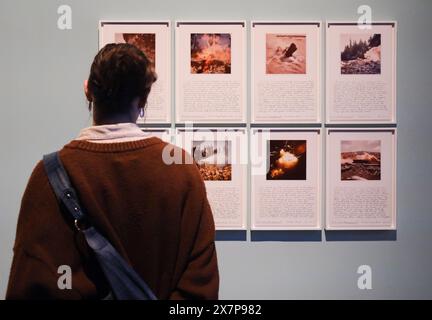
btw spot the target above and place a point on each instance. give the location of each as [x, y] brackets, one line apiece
[125, 283]
[62, 186]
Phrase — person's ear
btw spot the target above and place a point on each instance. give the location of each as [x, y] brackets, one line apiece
[86, 91]
[141, 103]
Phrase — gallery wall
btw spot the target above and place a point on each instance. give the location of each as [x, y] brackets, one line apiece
[42, 70]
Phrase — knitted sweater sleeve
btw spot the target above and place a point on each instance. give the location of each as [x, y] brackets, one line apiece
[199, 278]
[32, 274]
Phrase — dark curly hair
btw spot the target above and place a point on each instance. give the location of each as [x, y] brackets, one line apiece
[119, 74]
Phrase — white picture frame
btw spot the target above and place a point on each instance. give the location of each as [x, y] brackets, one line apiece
[229, 205]
[299, 186]
[164, 133]
[369, 203]
[159, 104]
[285, 90]
[205, 94]
[361, 90]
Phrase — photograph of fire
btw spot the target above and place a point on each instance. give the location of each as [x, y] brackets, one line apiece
[213, 159]
[360, 160]
[287, 159]
[146, 42]
[211, 53]
[285, 54]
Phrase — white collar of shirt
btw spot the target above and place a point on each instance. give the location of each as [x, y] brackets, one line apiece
[109, 133]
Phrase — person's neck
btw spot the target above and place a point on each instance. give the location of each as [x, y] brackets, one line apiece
[97, 121]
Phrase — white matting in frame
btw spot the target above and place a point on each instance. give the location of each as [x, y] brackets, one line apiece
[154, 39]
[285, 72]
[210, 71]
[361, 179]
[361, 72]
[221, 157]
[286, 179]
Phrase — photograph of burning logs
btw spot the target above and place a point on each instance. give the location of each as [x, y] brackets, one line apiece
[285, 54]
[287, 160]
[210, 53]
[361, 53]
[213, 159]
[146, 42]
[360, 160]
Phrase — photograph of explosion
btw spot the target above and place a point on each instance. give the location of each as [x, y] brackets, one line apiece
[285, 54]
[211, 53]
[146, 42]
[360, 160]
[213, 159]
[287, 159]
[361, 53]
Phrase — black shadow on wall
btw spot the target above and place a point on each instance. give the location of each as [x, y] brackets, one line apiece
[231, 235]
[285, 235]
[360, 235]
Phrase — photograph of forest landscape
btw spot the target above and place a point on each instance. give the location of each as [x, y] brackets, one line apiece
[360, 160]
[213, 159]
[211, 53]
[146, 42]
[361, 53]
[287, 160]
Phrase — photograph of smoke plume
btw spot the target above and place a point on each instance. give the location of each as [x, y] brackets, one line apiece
[360, 160]
[361, 53]
[285, 54]
[146, 42]
[287, 159]
[211, 53]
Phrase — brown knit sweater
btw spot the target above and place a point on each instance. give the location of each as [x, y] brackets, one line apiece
[156, 215]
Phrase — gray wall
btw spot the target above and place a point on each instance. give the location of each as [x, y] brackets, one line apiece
[42, 107]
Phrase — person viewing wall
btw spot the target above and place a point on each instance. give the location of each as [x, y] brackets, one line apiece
[155, 214]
